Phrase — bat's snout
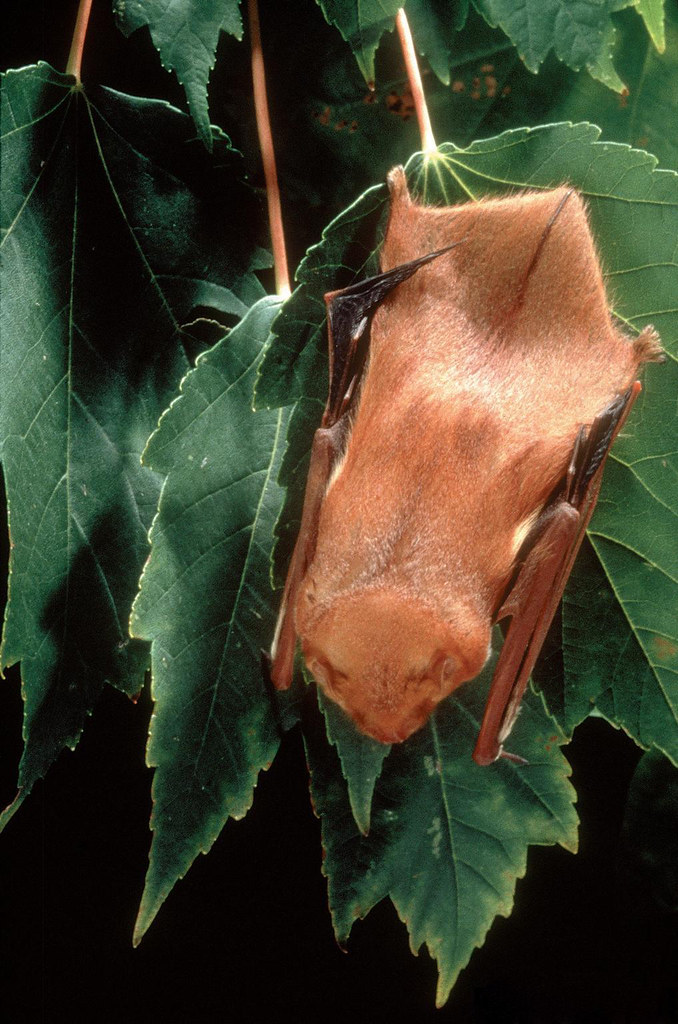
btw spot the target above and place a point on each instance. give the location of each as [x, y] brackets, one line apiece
[387, 659]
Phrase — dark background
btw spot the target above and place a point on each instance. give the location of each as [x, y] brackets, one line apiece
[247, 934]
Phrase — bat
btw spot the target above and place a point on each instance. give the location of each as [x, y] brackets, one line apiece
[476, 385]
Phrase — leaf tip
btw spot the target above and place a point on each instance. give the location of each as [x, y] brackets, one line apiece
[362, 821]
[11, 809]
[148, 909]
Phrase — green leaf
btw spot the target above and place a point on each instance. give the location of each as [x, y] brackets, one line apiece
[361, 757]
[295, 364]
[362, 24]
[620, 658]
[581, 34]
[206, 603]
[634, 215]
[108, 212]
[652, 13]
[649, 835]
[435, 26]
[292, 477]
[334, 139]
[448, 838]
[641, 118]
[185, 33]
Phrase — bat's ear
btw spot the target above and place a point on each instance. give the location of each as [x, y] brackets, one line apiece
[397, 186]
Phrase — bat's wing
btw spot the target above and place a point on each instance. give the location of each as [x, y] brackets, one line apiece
[326, 446]
[349, 312]
[533, 599]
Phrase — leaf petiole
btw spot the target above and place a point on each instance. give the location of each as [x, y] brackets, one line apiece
[282, 280]
[78, 42]
[428, 143]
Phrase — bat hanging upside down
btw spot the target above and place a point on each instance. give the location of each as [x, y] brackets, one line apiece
[476, 385]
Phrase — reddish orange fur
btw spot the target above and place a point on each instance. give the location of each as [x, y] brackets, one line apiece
[483, 366]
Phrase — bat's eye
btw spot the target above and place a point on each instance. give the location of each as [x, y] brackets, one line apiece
[310, 591]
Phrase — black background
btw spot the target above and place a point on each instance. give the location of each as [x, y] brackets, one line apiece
[247, 934]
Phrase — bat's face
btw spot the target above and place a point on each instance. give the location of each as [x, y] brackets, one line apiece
[388, 661]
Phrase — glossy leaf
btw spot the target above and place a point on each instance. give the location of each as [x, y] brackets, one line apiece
[362, 24]
[581, 34]
[641, 117]
[618, 623]
[206, 603]
[435, 30]
[345, 138]
[108, 212]
[185, 33]
[448, 838]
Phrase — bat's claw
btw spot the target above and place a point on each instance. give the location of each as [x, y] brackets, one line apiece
[266, 663]
[514, 758]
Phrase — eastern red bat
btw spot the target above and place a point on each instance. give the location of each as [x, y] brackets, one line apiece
[476, 385]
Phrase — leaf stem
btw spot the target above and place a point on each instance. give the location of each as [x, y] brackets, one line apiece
[428, 143]
[282, 280]
[78, 42]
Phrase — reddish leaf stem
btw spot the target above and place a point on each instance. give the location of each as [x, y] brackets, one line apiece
[428, 143]
[282, 280]
[78, 43]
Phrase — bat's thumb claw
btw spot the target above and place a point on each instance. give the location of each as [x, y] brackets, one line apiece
[266, 662]
[514, 758]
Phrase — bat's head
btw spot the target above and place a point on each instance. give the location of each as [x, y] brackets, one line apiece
[387, 659]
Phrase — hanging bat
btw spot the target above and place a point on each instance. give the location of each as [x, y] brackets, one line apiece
[476, 386]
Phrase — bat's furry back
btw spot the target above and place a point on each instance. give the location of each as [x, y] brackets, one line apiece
[483, 367]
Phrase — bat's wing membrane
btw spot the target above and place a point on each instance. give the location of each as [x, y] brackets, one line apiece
[348, 315]
[323, 455]
[534, 598]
